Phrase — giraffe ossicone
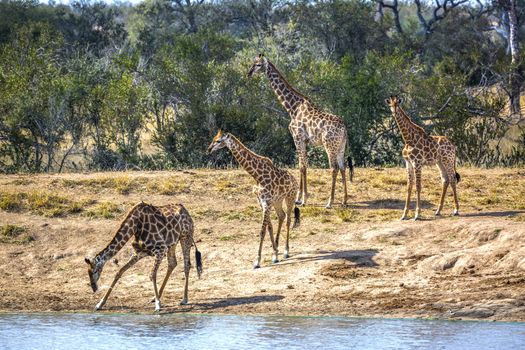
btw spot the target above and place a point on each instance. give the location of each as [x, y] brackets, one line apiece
[422, 149]
[276, 188]
[156, 231]
[309, 125]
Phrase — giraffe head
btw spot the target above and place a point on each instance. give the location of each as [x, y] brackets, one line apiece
[393, 102]
[94, 270]
[218, 142]
[259, 64]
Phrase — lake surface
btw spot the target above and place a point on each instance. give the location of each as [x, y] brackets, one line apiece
[170, 331]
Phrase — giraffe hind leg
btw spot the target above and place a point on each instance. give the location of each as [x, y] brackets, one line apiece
[417, 171]
[158, 260]
[445, 182]
[172, 263]
[289, 208]
[186, 243]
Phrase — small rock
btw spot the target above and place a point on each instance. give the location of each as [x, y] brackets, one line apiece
[290, 286]
[401, 284]
[263, 290]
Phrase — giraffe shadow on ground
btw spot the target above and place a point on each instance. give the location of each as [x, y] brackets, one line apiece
[359, 258]
[219, 303]
[389, 203]
[494, 213]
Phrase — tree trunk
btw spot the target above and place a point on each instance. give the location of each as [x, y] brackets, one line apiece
[515, 77]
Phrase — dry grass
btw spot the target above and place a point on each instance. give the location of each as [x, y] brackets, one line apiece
[106, 210]
[376, 195]
[14, 234]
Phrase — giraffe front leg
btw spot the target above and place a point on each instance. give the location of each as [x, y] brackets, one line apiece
[417, 171]
[410, 184]
[134, 258]
[303, 165]
[275, 258]
[303, 188]
[257, 262]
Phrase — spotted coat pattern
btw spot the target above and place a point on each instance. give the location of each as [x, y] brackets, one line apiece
[275, 188]
[309, 126]
[156, 231]
[422, 149]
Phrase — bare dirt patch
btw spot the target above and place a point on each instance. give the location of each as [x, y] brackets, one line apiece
[347, 261]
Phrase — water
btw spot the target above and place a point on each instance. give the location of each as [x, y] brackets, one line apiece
[104, 331]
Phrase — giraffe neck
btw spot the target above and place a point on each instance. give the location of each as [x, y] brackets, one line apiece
[410, 131]
[250, 161]
[289, 98]
[124, 233]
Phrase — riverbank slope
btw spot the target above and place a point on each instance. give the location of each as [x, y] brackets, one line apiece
[351, 261]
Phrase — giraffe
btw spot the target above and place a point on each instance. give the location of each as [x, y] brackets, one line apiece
[422, 149]
[309, 125]
[157, 230]
[274, 188]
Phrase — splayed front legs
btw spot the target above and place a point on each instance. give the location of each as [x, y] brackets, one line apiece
[132, 261]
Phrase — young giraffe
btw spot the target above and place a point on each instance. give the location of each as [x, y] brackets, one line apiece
[309, 125]
[157, 230]
[274, 188]
[422, 149]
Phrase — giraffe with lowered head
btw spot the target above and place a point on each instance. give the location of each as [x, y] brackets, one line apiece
[422, 149]
[275, 188]
[309, 125]
[157, 230]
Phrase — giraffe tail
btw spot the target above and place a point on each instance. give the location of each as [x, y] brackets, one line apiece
[458, 177]
[351, 167]
[198, 259]
[297, 217]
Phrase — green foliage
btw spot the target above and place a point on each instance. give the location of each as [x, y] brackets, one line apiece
[101, 86]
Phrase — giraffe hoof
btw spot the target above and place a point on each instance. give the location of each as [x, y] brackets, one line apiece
[437, 213]
[328, 206]
[99, 306]
[455, 213]
[299, 203]
[286, 255]
[256, 266]
[275, 260]
[416, 218]
[184, 302]
[404, 218]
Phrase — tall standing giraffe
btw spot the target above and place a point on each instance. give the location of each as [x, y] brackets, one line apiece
[422, 149]
[157, 230]
[274, 188]
[311, 125]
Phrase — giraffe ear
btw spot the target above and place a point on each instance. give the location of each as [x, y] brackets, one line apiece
[219, 134]
[399, 100]
[261, 55]
[87, 261]
[387, 101]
